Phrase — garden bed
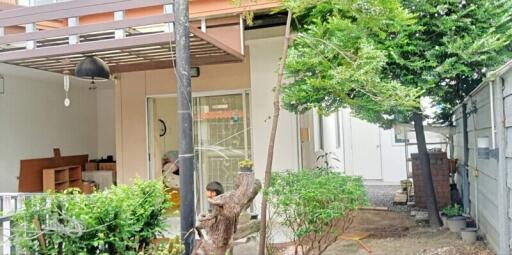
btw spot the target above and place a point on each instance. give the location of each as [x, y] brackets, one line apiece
[391, 233]
[397, 233]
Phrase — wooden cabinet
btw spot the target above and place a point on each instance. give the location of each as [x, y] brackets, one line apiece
[61, 178]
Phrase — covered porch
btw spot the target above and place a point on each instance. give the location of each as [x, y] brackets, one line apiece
[136, 39]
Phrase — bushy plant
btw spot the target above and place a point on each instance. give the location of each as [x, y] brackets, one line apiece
[317, 206]
[122, 220]
[453, 210]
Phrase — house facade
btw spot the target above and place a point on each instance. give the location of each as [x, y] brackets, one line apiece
[133, 116]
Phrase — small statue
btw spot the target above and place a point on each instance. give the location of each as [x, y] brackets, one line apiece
[222, 222]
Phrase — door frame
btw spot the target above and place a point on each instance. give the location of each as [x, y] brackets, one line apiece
[194, 94]
[243, 92]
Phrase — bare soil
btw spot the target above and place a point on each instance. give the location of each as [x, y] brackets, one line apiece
[392, 233]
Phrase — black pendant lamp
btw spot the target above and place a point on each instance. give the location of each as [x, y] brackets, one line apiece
[92, 68]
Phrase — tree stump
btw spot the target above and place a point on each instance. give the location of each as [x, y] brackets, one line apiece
[221, 223]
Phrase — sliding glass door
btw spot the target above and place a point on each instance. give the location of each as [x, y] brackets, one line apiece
[221, 137]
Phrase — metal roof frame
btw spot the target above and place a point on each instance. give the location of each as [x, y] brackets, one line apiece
[145, 43]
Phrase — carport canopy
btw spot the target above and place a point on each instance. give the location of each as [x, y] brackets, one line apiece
[127, 34]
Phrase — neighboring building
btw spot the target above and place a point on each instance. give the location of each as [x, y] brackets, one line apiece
[356, 147]
[487, 153]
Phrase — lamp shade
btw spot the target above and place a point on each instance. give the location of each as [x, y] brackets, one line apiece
[92, 68]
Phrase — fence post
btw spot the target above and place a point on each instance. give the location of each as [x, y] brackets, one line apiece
[7, 208]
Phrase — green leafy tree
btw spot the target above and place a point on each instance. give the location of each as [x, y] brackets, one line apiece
[448, 50]
[380, 57]
[335, 60]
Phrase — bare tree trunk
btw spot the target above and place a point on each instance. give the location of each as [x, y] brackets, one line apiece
[275, 119]
[221, 224]
[426, 173]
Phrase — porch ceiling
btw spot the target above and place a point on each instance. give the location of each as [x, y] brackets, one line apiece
[133, 53]
[144, 44]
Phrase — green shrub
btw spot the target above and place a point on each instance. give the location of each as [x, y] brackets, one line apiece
[122, 220]
[453, 210]
[317, 206]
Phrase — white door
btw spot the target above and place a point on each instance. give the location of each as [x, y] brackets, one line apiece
[366, 149]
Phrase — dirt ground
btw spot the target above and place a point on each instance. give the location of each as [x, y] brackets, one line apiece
[392, 233]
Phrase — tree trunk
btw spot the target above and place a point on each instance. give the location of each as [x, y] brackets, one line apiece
[275, 119]
[221, 224]
[426, 173]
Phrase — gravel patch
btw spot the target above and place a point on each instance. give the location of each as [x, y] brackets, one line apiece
[383, 195]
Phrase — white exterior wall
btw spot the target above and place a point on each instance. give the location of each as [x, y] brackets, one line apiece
[393, 157]
[106, 120]
[363, 148]
[264, 62]
[33, 120]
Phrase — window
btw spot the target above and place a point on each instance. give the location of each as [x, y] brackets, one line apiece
[400, 135]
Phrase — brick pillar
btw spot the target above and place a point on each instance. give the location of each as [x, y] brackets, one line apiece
[440, 167]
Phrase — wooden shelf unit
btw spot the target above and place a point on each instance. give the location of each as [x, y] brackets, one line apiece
[61, 178]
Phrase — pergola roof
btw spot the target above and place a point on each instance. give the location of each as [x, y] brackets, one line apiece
[145, 43]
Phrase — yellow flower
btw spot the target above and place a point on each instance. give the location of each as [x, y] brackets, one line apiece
[245, 163]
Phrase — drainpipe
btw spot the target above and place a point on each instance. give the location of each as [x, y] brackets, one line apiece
[499, 153]
[493, 124]
[464, 167]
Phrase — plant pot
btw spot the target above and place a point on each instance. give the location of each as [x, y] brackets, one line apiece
[246, 169]
[469, 235]
[405, 184]
[455, 224]
[445, 220]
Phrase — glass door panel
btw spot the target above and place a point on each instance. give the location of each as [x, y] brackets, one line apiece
[222, 139]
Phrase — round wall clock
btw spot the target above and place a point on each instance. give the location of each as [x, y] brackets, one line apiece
[163, 127]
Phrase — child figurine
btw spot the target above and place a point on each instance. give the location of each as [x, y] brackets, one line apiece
[214, 189]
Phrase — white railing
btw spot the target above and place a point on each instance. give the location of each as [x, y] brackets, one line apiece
[30, 3]
[10, 203]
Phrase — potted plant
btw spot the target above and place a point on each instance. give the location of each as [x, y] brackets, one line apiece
[245, 166]
[444, 218]
[455, 220]
[469, 235]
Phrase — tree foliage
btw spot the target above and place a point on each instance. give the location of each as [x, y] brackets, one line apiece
[449, 48]
[336, 61]
[380, 57]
